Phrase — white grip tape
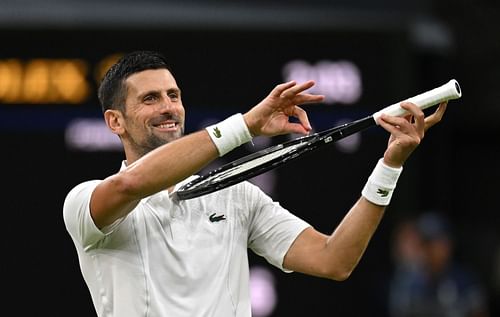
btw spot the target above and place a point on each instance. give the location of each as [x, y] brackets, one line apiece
[229, 133]
[381, 184]
[450, 90]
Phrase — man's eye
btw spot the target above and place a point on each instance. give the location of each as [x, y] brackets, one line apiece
[149, 98]
[173, 96]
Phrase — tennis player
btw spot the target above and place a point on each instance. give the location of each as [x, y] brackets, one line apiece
[144, 253]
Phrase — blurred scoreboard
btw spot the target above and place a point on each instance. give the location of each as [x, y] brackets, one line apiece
[48, 80]
[220, 71]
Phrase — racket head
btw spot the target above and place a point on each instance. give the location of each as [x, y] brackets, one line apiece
[269, 158]
[247, 167]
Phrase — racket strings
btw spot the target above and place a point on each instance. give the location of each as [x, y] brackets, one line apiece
[246, 166]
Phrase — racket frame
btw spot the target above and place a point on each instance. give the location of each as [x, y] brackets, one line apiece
[271, 158]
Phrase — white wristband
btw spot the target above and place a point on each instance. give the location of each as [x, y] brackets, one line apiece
[229, 133]
[381, 184]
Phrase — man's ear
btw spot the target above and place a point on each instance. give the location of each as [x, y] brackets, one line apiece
[114, 121]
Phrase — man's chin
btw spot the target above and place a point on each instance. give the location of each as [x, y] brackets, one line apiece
[172, 136]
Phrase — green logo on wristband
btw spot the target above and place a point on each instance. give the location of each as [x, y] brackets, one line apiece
[382, 192]
[217, 133]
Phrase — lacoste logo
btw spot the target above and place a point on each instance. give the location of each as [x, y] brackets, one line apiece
[217, 133]
[214, 218]
[382, 192]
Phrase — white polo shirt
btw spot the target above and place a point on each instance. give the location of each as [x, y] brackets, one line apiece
[179, 258]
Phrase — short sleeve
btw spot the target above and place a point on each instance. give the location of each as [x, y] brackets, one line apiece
[273, 229]
[77, 218]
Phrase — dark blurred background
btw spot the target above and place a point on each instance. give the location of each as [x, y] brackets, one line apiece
[226, 56]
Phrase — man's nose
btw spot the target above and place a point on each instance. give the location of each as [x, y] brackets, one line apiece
[166, 104]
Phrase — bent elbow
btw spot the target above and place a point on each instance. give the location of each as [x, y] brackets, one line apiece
[339, 275]
[112, 199]
[343, 276]
[128, 185]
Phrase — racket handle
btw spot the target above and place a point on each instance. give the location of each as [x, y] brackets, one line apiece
[450, 90]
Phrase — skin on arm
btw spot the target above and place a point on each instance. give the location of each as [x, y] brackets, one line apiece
[168, 164]
[337, 255]
[158, 170]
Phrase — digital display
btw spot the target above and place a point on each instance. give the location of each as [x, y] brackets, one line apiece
[49, 80]
[43, 81]
[220, 72]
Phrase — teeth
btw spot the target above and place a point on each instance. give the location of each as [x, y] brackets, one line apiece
[168, 125]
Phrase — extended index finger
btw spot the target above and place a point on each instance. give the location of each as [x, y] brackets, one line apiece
[279, 89]
[308, 98]
[290, 92]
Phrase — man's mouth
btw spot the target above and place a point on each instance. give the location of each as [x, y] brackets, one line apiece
[167, 126]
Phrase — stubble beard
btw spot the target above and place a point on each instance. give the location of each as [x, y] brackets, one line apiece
[154, 141]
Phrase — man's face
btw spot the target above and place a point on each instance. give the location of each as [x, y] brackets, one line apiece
[154, 112]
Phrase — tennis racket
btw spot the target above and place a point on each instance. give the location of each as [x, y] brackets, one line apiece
[277, 155]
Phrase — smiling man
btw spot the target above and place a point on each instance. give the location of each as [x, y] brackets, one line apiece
[144, 253]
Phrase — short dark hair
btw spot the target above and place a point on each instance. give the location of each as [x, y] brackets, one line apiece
[112, 91]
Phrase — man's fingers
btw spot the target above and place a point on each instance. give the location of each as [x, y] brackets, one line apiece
[392, 124]
[308, 98]
[403, 125]
[293, 91]
[436, 116]
[301, 114]
[279, 89]
[417, 115]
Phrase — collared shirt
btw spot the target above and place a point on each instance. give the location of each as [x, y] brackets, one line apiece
[172, 257]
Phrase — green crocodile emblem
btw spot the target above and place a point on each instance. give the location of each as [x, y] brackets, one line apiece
[217, 133]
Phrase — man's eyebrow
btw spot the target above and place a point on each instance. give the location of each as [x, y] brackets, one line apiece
[174, 89]
[157, 92]
[149, 92]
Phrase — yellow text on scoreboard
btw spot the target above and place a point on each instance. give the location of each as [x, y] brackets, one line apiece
[43, 81]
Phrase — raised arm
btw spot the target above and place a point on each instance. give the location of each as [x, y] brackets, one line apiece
[335, 256]
[168, 164]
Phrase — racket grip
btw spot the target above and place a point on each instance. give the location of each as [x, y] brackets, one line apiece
[450, 90]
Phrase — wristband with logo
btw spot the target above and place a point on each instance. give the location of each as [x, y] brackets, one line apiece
[229, 133]
[381, 184]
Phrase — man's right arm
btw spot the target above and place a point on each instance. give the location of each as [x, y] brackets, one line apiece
[169, 164]
[158, 170]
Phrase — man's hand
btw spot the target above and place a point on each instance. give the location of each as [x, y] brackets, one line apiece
[271, 116]
[407, 132]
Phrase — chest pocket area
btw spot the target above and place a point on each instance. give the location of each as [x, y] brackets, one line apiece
[200, 228]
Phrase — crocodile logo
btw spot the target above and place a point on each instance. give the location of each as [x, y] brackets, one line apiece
[382, 192]
[217, 133]
[214, 218]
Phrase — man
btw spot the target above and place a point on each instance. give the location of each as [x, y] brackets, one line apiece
[144, 253]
